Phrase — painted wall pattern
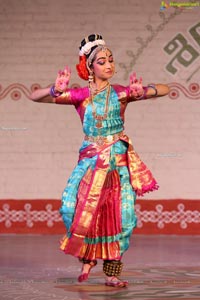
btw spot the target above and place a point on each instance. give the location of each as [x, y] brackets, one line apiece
[16, 90]
[177, 216]
[185, 53]
[144, 43]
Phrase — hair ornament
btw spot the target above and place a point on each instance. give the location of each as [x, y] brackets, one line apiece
[85, 50]
[82, 68]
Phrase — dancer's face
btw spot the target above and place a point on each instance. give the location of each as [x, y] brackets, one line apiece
[103, 65]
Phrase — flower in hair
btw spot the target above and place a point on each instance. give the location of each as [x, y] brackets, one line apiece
[87, 47]
[82, 68]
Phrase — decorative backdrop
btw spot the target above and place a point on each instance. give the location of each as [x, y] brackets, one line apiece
[16, 90]
[41, 216]
[39, 143]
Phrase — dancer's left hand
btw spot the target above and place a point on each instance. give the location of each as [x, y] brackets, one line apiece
[136, 88]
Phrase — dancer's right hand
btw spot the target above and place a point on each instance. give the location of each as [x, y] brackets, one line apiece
[62, 80]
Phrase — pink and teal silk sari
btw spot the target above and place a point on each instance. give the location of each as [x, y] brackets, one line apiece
[98, 201]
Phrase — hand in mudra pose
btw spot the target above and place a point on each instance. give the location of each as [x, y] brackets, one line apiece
[136, 88]
[62, 80]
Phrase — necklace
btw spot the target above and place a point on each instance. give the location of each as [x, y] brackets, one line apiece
[100, 118]
[94, 90]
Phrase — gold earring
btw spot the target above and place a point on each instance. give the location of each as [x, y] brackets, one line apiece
[90, 77]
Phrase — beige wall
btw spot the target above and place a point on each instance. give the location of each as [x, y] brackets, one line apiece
[39, 142]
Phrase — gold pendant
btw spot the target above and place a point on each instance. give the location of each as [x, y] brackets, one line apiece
[99, 124]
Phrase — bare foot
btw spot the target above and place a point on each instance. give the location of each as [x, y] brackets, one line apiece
[86, 268]
[115, 282]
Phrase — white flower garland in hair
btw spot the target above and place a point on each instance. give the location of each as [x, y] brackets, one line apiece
[87, 47]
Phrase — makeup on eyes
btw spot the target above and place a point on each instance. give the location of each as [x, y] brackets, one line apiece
[102, 60]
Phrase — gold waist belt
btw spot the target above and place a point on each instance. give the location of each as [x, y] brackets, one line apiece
[101, 140]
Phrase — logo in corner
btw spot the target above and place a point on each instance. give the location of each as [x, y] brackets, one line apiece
[163, 5]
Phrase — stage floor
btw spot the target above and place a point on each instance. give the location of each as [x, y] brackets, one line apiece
[157, 267]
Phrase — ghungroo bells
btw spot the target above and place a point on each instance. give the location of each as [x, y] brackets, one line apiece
[112, 267]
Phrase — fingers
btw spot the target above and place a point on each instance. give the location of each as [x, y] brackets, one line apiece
[133, 78]
[66, 72]
[136, 85]
[59, 73]
[62, 79]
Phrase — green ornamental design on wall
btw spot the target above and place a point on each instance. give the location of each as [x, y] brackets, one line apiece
[184, 47]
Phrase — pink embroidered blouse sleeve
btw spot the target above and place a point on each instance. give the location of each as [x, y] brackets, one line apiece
[73, 96]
